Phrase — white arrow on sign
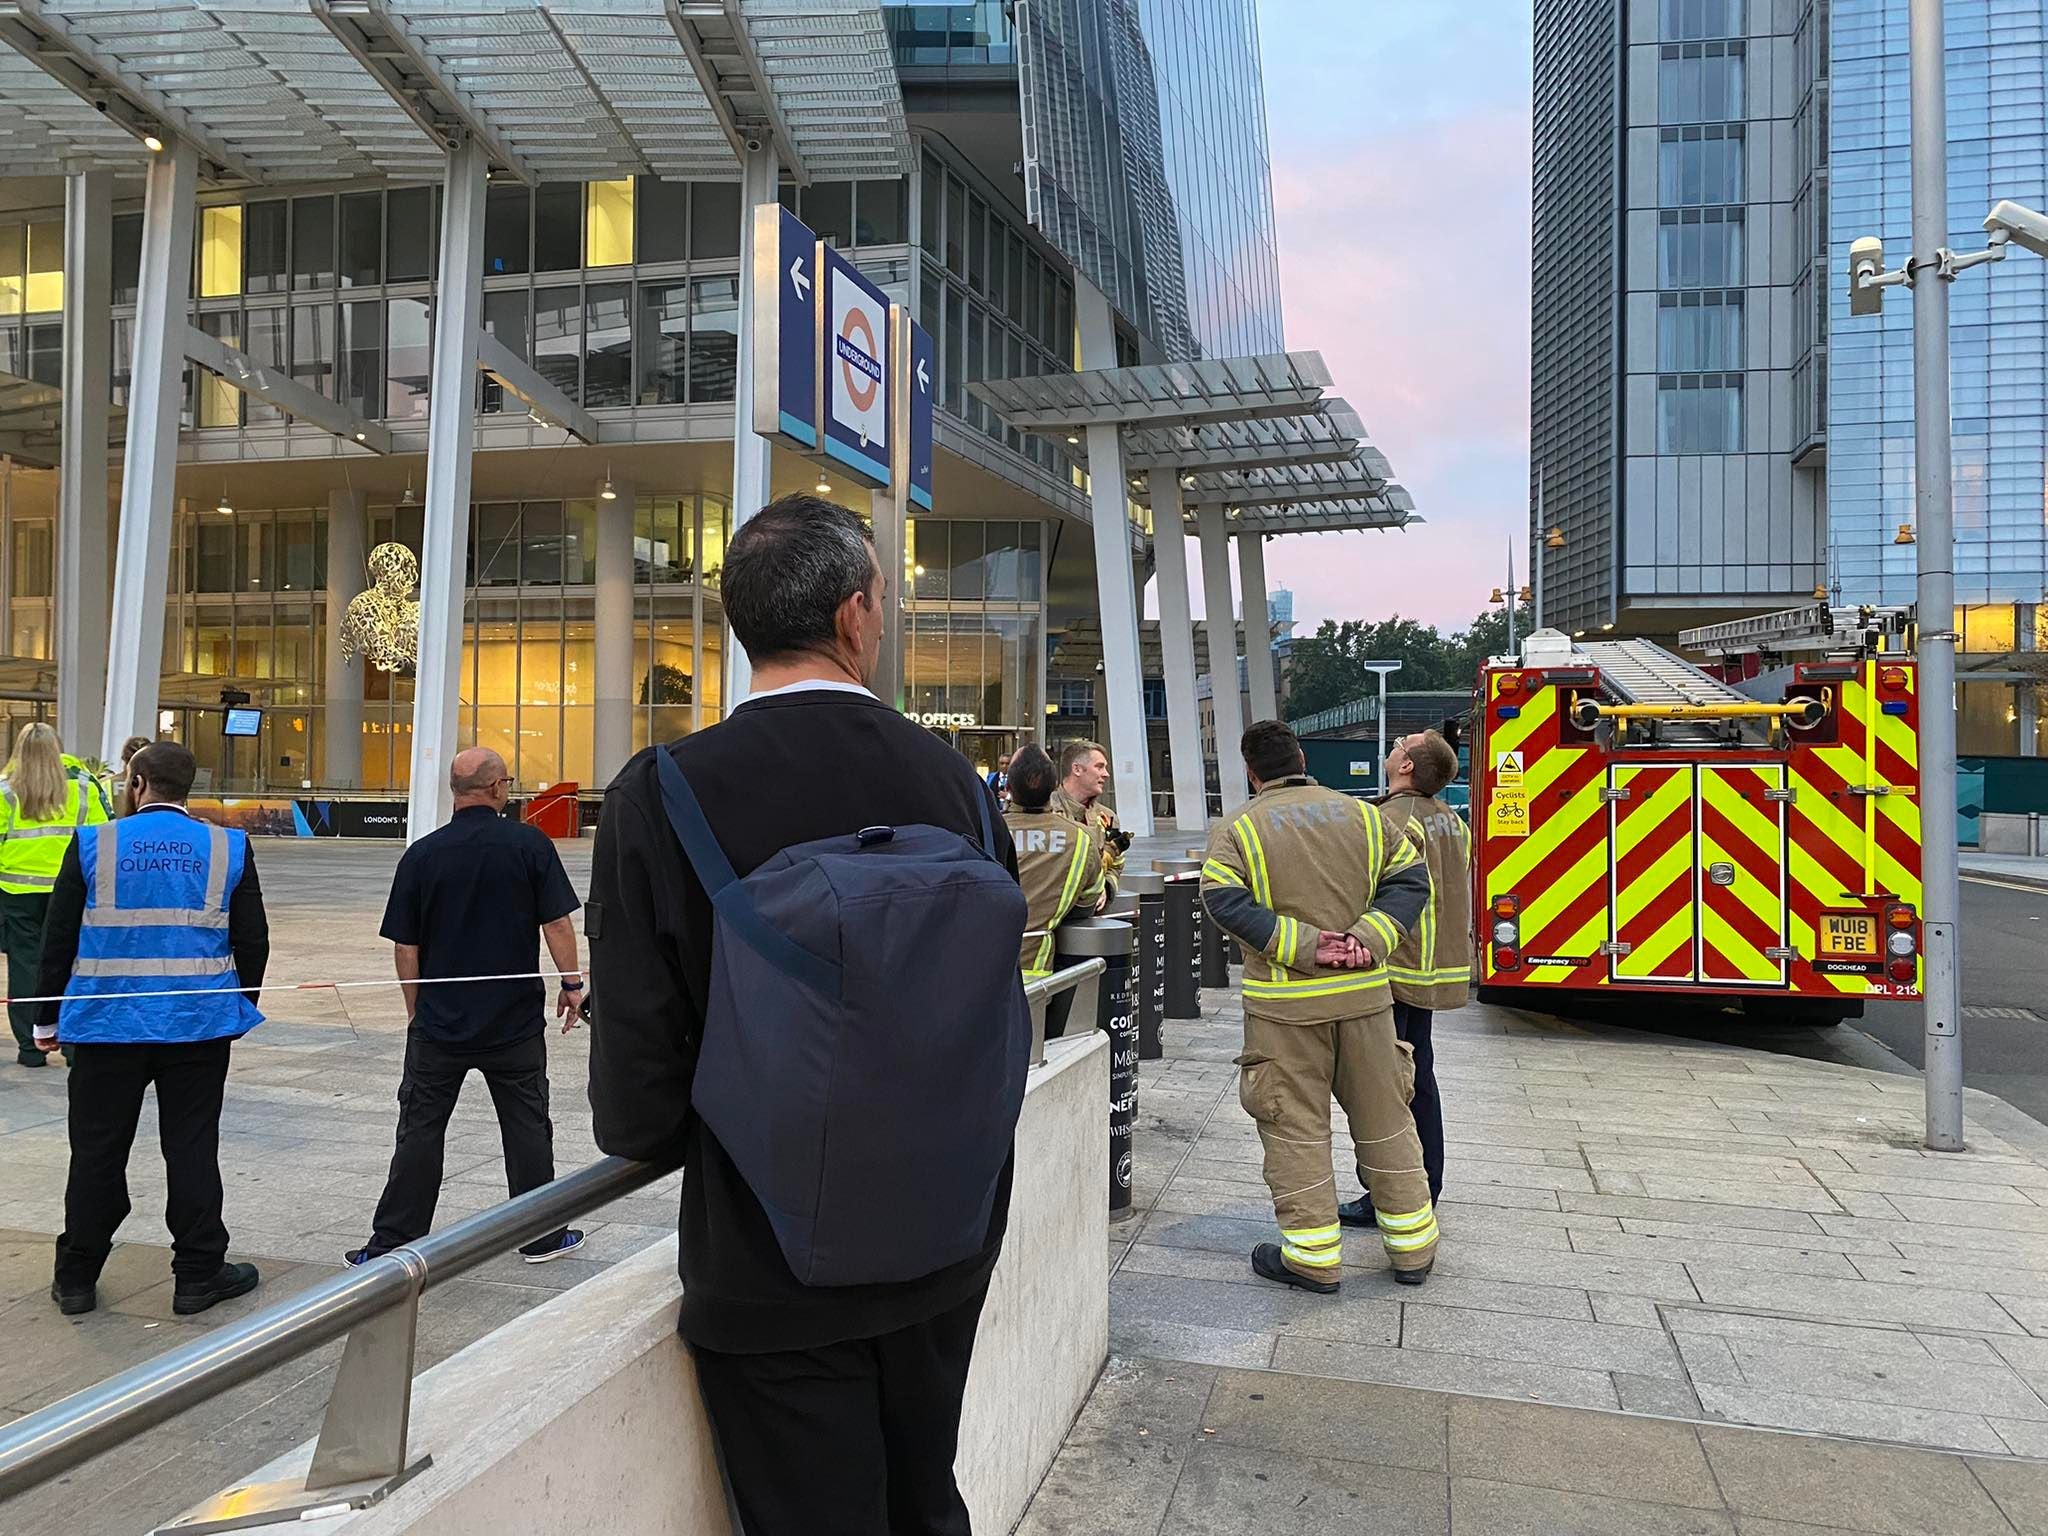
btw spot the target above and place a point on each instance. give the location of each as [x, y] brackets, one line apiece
[924, 378]
[797, 279]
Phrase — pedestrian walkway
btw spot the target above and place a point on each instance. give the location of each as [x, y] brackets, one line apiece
[2020, 868]
[1635, 1231]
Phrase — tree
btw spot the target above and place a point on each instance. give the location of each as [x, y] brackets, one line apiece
[1328, 668]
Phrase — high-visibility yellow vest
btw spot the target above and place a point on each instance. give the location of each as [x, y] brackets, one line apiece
[31, 852]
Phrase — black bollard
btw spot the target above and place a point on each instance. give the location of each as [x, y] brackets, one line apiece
[1218, 952]
[1183, 937]
[1150, 890]
[1113, 941]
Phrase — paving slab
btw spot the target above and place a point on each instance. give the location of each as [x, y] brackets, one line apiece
[1859, 1487]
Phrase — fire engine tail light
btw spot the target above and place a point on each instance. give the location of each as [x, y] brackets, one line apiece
[1902, 943]
[1892, 679]
[1510, 685]
[1507, 933]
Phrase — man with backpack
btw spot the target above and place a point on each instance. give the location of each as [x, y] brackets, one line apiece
[841, 1071]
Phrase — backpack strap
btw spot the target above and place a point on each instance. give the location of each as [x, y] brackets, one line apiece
[727, 891]
[686, 819]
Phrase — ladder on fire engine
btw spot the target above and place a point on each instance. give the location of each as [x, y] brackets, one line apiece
[1643, 673]
[1815, 627]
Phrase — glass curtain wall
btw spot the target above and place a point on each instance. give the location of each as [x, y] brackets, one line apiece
[973, 635]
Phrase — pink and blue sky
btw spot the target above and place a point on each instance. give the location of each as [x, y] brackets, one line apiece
[1400, 143]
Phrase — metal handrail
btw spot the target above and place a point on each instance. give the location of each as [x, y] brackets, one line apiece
[362, 1452]
[76, 1428]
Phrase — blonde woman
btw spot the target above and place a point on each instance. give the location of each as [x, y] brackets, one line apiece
[42, 805]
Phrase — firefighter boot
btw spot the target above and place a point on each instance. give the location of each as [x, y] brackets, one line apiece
[1357, 1213]
[1268, 1264]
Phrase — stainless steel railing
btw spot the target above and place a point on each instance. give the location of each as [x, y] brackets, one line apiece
[362, 1451]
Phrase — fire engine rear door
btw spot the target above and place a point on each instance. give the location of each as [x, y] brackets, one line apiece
[1742, 876]
[1652, 842]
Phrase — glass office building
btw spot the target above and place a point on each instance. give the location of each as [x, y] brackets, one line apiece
[1997, 68]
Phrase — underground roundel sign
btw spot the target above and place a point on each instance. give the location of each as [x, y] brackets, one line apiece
[856, 371]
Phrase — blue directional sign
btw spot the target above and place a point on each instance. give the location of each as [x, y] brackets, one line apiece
[920, 387]
[785, 404]
[856, 368]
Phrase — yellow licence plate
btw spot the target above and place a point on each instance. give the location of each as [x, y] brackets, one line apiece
[1849, 936]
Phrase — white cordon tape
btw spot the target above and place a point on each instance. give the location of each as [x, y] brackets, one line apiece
[296, 986]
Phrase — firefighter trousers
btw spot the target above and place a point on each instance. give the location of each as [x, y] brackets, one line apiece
[1289, 1072]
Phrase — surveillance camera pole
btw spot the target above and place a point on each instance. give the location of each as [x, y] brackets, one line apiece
[1935, 551]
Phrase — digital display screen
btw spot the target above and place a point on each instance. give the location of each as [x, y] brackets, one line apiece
[244, 722]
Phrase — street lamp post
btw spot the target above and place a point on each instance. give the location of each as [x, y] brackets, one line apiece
[1384, 669]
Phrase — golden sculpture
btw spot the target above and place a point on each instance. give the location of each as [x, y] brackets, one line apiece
[382, 625]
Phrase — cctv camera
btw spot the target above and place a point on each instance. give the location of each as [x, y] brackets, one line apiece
[753, 146]
[2022, 226]
[1866, 261]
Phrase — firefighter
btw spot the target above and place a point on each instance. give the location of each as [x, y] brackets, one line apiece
[1059, 864]
[1084, 774]
[1320, 891]
[1432, 969]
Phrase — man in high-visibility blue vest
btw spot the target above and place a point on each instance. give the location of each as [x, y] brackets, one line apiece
[156, 903]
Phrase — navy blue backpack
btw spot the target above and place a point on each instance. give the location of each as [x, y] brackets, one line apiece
[865, 1040]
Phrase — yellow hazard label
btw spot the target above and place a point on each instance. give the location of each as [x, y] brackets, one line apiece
[1507, 769]
[1508, 811]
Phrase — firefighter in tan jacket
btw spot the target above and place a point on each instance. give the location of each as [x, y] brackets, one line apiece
[1432, 970]
[1320, 891]
[1084, 774]
[1059, 863]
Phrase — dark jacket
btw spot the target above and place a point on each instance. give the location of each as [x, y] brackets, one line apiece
[781, 771]
[248, 927]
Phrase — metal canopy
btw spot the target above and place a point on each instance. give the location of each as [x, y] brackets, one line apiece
[304, 90]
[1358, 478]
[1331, 433]
[1391, 508]
[1160, 394]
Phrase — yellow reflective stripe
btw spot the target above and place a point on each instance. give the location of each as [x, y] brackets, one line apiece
[1222, 874]
[1426, 949]
[1072, 888]
[1375, 839]
[1403, 855]
[1044, 957]
[1409, 1242]
[1314, 1236]
[1320, 1258]
[1384, 928]
[1255, 856]
[1290, 942]
[1036, 975]
[1431, 978]
[1399, 1222]
[1317, 986]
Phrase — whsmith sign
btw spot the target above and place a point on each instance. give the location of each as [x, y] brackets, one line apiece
[840, 372]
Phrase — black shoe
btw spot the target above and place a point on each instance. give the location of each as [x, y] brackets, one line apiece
[32, 1058]
[1266, 1262]
[229, 1281]
[72, 1303]
[1357, 1213]
[1414, 1276]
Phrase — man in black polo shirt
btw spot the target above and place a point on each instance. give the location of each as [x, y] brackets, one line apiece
[474, 899]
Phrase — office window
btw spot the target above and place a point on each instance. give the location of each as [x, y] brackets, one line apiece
[663, 211]
[34, 559]
[828, 209]
[1700, 165]
[411, 235]
[505, 220]
[880, 213]
[714, 220]
[1700, 83]
[1075, 697]
[13, 268]
[362, 239]
[1155, 698]
[1699, 414]
[956, 227]
[264, 244]
[313, 347]
[558, 337]
[267, 343]
[1699, 332]
[127, 259]
[218, 403]
[408, 360]
[558, 226]
[1700, 248]
[714, 337]
[608, 224]
[312, 242]
[608, 344]
[1686, 20]
[220, 251]
[931, 212]
[45, 287]
[504, 316]
[362, 357]
[664, 342]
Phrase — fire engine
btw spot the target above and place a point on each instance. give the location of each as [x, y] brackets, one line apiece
[1642, 827]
